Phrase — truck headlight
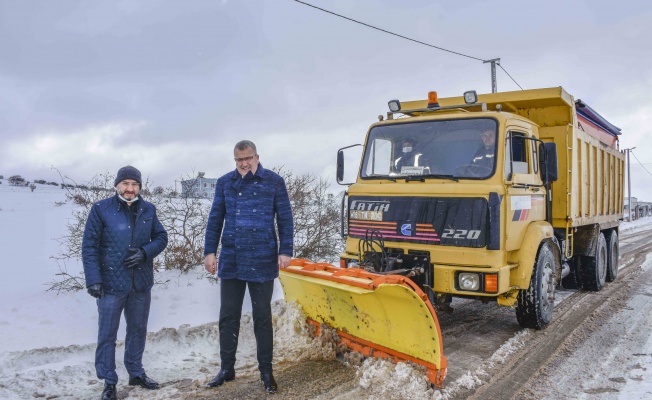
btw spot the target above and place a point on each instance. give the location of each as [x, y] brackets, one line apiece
[469, 281]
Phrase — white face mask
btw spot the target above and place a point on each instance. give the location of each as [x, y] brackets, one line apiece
[407, 149]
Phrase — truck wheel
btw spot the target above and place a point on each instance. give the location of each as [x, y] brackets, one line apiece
[612, 256]
[573, 280]
[534, 305]
[594, 269]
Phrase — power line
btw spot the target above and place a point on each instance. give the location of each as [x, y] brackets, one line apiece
[510, 77]
[641, 164]
[404, 37]
[386, 31]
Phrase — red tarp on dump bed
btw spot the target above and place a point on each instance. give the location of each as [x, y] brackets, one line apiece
[595, 125]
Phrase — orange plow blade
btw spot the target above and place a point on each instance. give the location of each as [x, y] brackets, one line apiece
[385, 316]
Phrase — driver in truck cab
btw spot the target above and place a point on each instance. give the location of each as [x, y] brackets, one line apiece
[409, 157]
[484, 157]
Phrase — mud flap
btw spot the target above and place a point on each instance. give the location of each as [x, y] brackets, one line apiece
[385, 316]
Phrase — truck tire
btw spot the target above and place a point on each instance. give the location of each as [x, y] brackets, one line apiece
[594, 269]
[573, 280]
[612, 256]
[534, 306]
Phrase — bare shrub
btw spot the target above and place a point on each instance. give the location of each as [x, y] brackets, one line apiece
[65, 282]
[185, 219]
[17, 180]
[81, 200]
[71, 242]
[316, 217]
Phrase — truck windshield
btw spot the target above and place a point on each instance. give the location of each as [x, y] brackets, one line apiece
[459, 148]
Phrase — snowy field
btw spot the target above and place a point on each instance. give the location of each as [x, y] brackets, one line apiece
[48, 341]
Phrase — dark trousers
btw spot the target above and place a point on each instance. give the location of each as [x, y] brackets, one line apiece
[136, 310]
[231, 297]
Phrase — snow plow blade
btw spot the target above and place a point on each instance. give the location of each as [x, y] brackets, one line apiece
[386, 316]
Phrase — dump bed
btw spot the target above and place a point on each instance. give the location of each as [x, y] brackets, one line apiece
[591, 168]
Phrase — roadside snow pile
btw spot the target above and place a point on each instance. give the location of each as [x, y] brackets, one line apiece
[293, 339]
[387, 380]
[638, 225]
[188, 353]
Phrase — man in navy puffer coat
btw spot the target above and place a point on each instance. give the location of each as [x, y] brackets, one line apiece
[247, 202]
[121, 239]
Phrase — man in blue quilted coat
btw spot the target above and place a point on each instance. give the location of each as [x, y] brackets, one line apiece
[121, 239]
[247, 202]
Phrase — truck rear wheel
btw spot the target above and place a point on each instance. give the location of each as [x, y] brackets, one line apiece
[594, 269]
[612, 256]
[534, 306]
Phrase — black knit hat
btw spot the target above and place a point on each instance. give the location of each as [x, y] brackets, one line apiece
[128, 172]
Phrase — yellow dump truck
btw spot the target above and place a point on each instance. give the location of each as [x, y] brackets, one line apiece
[501, 196]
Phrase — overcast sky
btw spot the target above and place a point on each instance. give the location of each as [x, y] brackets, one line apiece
[170, 86]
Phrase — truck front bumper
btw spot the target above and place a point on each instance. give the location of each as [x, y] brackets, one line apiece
[471, 281]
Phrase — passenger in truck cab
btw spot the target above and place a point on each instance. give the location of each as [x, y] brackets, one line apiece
[484, 156]
[409, 157]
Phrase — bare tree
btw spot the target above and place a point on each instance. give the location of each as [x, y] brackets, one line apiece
[316, 217]
[185, 220]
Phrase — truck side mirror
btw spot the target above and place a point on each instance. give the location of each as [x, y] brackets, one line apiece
[548, 162]
[339, 174]
[340, 166]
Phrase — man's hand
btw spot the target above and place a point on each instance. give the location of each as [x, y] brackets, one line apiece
[135, 259]
[283, 260]
[96, 290]
[210, 263]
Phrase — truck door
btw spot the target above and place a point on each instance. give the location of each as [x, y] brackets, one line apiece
[525, 192]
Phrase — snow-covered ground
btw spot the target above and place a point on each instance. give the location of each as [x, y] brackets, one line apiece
[47, 340]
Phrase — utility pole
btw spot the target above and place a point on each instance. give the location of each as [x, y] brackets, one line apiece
[494, 84]
[629, 187]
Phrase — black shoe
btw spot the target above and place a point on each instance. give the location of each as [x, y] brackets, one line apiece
[109, 392]
[143, 381]
[225, 375]
[269, 382]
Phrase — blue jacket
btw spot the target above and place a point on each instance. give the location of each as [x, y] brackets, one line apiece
[242, 216]
[109, 235]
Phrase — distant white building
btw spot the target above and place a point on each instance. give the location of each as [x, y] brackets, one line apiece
[632, 215]
[199, 187]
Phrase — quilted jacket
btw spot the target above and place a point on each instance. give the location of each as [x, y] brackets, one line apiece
[242, 216]
[109, 235]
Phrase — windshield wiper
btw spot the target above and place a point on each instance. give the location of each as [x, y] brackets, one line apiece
[440, 176]
[422, 178]
[419, 178]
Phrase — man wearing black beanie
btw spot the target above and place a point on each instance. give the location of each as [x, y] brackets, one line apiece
[121, 239]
